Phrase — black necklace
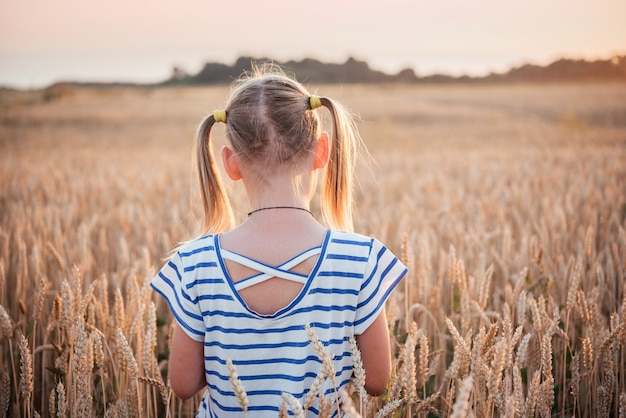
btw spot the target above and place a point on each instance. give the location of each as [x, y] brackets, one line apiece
[279, 207]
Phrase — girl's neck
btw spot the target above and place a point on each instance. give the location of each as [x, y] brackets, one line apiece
[281, 192]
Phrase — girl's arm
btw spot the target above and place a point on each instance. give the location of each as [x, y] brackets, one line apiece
[376, 355]
[186, 364]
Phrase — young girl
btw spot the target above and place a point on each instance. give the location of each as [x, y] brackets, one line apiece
[254, 299]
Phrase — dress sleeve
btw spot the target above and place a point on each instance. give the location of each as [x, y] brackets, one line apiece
[170, 283]
[383, 273]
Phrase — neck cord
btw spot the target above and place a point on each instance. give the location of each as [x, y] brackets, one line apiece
[279, 207]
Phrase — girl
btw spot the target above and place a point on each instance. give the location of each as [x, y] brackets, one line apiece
[257, 300]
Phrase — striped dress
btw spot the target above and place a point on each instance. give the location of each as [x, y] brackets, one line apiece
[342, 296]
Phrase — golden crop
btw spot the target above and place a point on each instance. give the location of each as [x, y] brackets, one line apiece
[507, 202]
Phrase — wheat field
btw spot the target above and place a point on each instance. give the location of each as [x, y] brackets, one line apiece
[507, 203]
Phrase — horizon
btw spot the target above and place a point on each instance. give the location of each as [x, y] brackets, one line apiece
[282, 62]
[43, 43]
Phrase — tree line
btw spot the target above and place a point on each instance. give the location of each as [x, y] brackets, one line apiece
[355, 71]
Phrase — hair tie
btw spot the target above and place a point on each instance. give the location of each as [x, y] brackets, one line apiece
[219, 116]
[315, 102]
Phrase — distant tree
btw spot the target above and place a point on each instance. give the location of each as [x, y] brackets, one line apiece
[178, 73]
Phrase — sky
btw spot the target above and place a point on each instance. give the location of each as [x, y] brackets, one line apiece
[43, 41]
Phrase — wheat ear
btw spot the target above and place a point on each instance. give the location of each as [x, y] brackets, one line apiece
[240, 392]
[5, 391]
[461, 405]
[26, 371]
[389, 408]
[294, 405]
[359, 372]
[347, 407]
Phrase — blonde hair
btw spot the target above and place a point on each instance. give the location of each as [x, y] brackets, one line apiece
[269, 120]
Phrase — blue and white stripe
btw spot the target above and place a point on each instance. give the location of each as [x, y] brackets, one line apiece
[341, 297]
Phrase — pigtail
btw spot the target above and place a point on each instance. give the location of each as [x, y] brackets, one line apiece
[218, 214]
[337, 185]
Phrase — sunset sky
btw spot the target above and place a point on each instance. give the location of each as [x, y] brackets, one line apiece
[141, 40]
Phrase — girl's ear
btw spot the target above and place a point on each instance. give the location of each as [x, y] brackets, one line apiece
[321, 151]
[231, 164]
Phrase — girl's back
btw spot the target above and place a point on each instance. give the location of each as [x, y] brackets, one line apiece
[277, 300]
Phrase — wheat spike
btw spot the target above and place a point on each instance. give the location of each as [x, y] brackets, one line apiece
[61, 400]
[52, 403]
[120, 315]
[358, 370]
[240, 392]
[582, 307]
[6, 324]
[488, 340]
[546, 397]
[587, 353]
[327, 360]
[546, 354]
[571, 294]
[533, 395]
[409, 369]
[293, 404]
[347, 407]
[98, 350]
[5, 391]
[158, 383]
[518, 393]
[282, 411]
[40, 296]
[462, 403]
[422, 365]
[494, 379]
[132, 399]
[26, 367]
[325, 407]
[389, 408]
[57, 308]
[622, 405]
[82, 366]
[461, 345]
[608, 382]
[314, 390]
[67, 304]
[150, 341]
[484, 294]
[129, 363]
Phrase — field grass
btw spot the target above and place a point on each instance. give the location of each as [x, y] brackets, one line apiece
[507, 202]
